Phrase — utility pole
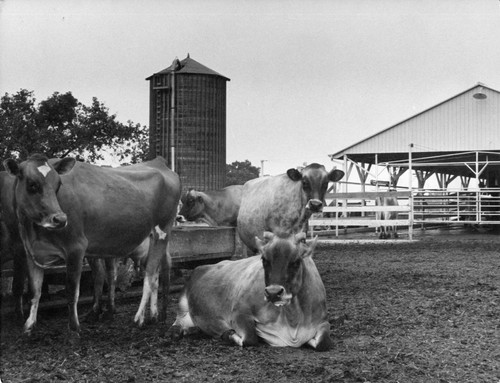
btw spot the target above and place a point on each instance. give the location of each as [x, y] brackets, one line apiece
[262, 167]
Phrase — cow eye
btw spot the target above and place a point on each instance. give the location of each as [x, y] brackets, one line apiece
[306, 185]
[265, 262]
[33, 187]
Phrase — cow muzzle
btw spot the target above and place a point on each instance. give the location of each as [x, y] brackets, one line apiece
[277, 295]
[55, 221]
[315, 205]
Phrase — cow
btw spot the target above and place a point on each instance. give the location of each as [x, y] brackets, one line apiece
[107, 269]
[284, 202]
[12, 249]
[215, 207]
[11, 246]
[68, 210]
[276, 296]
[385, 230]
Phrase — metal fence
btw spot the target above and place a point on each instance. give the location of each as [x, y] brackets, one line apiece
[415, 208]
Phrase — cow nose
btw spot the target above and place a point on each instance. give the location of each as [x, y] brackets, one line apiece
[315, 205]
[274, 293]
[59, 220]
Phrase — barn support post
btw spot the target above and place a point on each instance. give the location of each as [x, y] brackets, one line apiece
[410, 187]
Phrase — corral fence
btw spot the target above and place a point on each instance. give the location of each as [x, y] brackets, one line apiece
[416, 208]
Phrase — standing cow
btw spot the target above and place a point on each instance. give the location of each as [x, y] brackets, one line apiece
[11, 246]
[276, 296]
[67, 211]
[215, 207]
[283, 203]
[385, 230]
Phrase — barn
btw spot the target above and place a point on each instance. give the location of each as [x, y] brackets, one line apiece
[187, 121]
[456, 142]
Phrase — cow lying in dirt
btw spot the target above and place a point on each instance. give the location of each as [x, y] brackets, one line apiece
[277, 296]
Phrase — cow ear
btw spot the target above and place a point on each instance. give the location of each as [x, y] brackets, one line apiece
[260, 244]
[12, 167]
[335, 175]
[310, 248]
[64, 165]
[294, 174]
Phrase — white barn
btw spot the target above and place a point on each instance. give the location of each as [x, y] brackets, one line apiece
[459, 137]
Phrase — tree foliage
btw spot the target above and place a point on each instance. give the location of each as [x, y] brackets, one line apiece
[239, 172]
[62, 126]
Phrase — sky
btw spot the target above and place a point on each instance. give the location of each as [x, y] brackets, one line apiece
[308, 78]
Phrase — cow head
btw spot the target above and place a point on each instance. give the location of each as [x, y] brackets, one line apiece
[315, 181]
[283, 261]
[37, 182]
[192, 205]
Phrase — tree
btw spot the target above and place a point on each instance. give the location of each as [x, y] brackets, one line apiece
[61, 126]
[240, 172]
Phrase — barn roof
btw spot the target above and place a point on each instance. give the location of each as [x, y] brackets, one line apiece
[188, 66]
[453, 131]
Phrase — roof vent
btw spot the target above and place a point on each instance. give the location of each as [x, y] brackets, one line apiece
[479, 95]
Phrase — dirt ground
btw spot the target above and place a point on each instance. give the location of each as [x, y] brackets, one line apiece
[400, 311]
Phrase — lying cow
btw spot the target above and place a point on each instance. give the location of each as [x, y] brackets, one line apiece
[385, 230]
[67, 211]
[276, 296]
[283, 203]
[215, 207]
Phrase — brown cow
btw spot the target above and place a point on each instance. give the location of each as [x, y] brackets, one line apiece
[385, 230]
[67, 211]
[276, 296]
[215, 207]
[283, 203]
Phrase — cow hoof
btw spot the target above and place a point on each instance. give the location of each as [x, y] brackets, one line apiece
[108, 316]
[73, 338]
[91, 317]
[324, 344]
[175, 333]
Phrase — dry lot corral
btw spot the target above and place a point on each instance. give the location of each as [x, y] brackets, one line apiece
[426, 311]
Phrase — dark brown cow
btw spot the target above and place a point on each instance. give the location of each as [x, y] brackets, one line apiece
[215, 207]
[283, 203]
[67, 211]
[276, 296]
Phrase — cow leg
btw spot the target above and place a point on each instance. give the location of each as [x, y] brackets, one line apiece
[74, 265]
[18, 283]
[98, 273]
[166, 266]
[111, 272]
[322, 340]
[35, 274]
[183, 324]
[158, 250]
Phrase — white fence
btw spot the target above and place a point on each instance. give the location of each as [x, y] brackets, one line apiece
[415, 208]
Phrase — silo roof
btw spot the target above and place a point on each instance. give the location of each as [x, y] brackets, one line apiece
[188, 66]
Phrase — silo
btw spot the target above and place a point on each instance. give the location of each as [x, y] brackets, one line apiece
[187, 122]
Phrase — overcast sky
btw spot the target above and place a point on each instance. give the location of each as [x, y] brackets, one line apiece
[308, 78]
